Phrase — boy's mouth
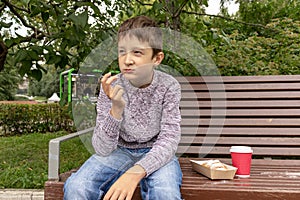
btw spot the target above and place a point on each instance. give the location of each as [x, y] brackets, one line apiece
[128, 70]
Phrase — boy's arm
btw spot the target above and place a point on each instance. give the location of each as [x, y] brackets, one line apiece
[110, 106]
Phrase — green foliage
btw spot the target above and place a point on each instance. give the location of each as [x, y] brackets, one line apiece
[48, 85]
[264, 11]
[24, 159]
[259, 55]
[63, 33]
[32, 118]
[254, 42]
[215, 34]
[59, 33]
[9, 80]
[167, 13]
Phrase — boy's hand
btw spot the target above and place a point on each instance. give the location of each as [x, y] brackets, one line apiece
[124, 187]
[115, 94]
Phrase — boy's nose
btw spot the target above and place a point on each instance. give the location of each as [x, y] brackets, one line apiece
[128, 59]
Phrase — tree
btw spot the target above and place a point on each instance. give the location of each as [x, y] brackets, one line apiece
[48, 85]
[62, 33]
[264, 11]
[58, 32]
[9, 80]
[271, 48]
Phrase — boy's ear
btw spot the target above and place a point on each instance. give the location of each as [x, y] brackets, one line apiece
[158, 58]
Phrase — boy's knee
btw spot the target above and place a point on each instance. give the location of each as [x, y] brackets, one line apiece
[163, 192]
[73, 188]
[163, 188]
[76, 188]
[70, 187]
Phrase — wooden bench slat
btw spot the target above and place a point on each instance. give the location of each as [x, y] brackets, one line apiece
[253, 131]
[243, 141]
[263, 151]
[241, 95]
[268, 184]
[288, 164]
[241, 112]
[189, 104]
[241, 194]
[250, 185]
[239, 79]
[270, 78]
[240, 87]
[271, 122]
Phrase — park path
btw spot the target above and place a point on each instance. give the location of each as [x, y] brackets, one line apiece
[22, 194]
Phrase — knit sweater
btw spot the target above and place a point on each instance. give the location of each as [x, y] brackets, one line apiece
[151, 118]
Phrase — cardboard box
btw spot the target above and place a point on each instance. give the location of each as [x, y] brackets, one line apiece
[214, 173]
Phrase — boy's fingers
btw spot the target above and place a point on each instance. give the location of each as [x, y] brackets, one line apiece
[106, 82]
[111, 79]
[117, 92]
[103, 83]
[129, 197]
[105, 77]
[108, 79]
[122, 196]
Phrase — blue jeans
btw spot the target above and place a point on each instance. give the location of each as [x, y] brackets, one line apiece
[97, 174]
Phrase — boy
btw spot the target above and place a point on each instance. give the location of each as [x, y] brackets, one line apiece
[137, 127]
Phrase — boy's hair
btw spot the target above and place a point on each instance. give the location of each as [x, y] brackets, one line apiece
[145, 29]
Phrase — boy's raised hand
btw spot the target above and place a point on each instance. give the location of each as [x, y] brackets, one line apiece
[115, 94]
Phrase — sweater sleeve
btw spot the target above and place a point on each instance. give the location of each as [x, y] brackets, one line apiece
[106, 132]
[165, 146]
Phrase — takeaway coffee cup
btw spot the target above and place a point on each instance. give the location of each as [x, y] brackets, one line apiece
[241, 157]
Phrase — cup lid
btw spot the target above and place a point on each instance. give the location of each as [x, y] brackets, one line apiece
[241, 149]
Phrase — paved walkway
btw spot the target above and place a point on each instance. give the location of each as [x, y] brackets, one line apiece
[14, 194]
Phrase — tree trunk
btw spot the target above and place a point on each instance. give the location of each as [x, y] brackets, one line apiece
[3, 53]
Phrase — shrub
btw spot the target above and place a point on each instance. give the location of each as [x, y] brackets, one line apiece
[31, 118]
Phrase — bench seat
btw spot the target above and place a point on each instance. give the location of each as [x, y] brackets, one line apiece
[268, 180]
[218, 112]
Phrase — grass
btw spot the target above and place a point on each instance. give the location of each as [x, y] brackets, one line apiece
[24, 159]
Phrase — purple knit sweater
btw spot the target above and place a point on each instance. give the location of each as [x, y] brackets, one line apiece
[151, 119]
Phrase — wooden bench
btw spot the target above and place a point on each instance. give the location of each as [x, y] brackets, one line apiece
[218, 112]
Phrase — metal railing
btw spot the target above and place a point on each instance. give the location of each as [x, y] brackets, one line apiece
[54, 149]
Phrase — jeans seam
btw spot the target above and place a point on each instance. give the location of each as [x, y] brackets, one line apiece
[147, 187]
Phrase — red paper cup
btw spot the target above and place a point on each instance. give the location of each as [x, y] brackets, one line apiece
[241, 157]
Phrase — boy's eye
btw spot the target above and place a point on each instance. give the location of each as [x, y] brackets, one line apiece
[137, 52]
[121, 52]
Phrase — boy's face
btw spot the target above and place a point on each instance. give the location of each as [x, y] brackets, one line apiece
[136, 60]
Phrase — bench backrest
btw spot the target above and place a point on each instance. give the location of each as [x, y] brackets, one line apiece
[258, 111]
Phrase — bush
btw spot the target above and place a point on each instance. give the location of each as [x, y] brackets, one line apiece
[32, 118]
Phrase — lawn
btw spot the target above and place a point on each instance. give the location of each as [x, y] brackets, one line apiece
[24, 159]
